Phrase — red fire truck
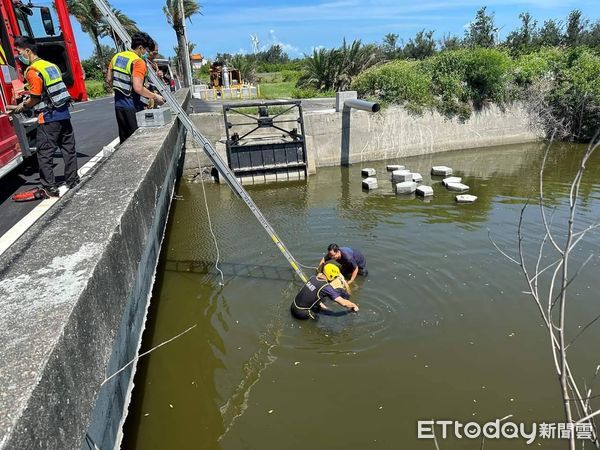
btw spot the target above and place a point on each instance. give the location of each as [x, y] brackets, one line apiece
[48, 23]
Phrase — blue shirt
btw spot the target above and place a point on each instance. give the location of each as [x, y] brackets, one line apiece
[57, 114]
[122, 101]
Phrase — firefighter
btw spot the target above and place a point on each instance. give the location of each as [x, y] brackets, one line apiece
[126, 74]
[50, 99]
[309, 301]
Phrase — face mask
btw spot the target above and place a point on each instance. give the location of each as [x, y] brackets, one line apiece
[23, 59]
[145, 56]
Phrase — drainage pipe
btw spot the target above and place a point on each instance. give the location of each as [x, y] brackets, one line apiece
[363, 105]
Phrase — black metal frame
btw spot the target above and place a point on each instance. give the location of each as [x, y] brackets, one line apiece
[263, 158]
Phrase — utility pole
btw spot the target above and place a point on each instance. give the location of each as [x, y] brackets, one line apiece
[184, 53]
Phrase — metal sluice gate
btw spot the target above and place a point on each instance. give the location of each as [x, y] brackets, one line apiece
[266, 141]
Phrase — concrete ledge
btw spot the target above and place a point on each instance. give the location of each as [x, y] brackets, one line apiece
[333, 138]
[73, 297]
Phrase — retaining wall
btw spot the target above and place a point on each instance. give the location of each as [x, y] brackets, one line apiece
[74, 292]
[334, 138]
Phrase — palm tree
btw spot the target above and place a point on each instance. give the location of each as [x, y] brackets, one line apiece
[92, 23]
[171, 10]
[127, 23]
[334, 69]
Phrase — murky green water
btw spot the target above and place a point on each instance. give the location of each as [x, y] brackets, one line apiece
[444, 330]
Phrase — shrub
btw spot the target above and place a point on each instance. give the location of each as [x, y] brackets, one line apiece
[533, 66]
[311, 93]
[575, 95]
[95, 88]
[399, 82]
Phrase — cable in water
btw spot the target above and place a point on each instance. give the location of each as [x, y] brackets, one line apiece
[221, 283]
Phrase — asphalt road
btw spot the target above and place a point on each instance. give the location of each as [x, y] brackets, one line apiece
[95, 126]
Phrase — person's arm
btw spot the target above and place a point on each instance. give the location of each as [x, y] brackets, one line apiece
[320, 266]
[335, 296]
[109, 76]
[36, 86]
[346, 303]
[139, 73]
[139, 88]
[353, 276]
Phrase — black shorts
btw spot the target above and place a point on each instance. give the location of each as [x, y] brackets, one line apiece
[302, 314]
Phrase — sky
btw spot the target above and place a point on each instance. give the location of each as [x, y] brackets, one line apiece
[302, 25]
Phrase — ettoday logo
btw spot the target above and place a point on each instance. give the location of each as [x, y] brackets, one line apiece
[498, 429]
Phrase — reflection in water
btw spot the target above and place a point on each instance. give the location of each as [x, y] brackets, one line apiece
[444, 329]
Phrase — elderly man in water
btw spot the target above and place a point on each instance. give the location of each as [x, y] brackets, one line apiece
[351, 261]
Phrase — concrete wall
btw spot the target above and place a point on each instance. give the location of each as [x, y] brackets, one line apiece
[334, 138]
[74, 291]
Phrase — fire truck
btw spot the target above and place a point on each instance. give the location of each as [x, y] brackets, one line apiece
[48, 23]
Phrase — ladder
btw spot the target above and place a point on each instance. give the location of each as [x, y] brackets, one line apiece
[208, 148]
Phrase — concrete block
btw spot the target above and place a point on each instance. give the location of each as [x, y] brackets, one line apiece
[369, 183]
[154, 117]
[445, 181]
[425, 191]
[392, 167]
[466, 198]
[341, 97]
[406, 187]
[368, 172]
[399, 176]
[458, 187]
[442, 171]
[417, 177]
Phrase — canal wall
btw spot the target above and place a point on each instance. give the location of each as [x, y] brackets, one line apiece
[335, 138]
[74, 292]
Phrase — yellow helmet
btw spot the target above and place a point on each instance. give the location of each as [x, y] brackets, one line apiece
[331, 271]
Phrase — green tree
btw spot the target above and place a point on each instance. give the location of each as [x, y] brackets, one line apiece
[127, 23]
[592, 37]
[522, 40]
[482, 30]
[94, 65]
[334, 69]
[390, 46]
[177, 61]
[550, 35]
[246, 65]
[92, 23]
[174, 18]
[273, 55]
[575, 30]
[421, 47]
[450, 42]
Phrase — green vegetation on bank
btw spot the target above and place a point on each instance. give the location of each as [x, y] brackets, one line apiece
[552, 68]
[95, 89]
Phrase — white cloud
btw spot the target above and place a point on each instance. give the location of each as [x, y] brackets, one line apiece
[290, 49]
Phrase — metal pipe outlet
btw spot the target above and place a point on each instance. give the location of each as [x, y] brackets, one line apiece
[363, 105]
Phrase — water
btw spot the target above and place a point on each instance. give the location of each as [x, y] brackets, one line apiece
[444, 331]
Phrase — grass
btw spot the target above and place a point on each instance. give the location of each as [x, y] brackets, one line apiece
[95, 88]
[272, 91]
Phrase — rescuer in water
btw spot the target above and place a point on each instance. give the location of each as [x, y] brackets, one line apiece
[351, 261]
[309, 301]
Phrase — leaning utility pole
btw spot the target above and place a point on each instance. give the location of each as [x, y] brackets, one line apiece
[184, 53]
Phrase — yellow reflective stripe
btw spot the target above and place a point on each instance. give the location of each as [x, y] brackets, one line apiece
[2, 55]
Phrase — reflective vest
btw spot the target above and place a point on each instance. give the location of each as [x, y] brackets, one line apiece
[2, 56]
[310, 294]
[122, 69]
[55, 93]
